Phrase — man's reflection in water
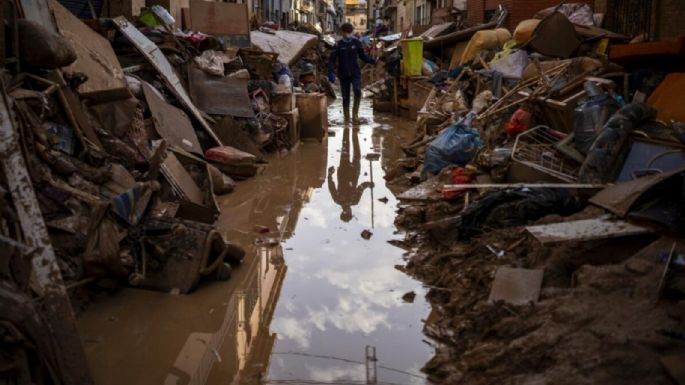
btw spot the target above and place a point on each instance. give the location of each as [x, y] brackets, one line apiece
[347, 194]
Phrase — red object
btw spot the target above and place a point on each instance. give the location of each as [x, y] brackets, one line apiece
[309, 78]
[518, 123]
[457, 177]
[271, 25]
[229, 155]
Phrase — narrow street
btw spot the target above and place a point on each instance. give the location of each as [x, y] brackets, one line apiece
[311, 294]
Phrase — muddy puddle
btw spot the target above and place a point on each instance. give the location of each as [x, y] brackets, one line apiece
[310, 298]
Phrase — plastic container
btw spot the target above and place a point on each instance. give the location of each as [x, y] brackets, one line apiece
[590, 116]
[412, 56]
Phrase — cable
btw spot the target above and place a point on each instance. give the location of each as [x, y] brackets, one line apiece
[348, 361]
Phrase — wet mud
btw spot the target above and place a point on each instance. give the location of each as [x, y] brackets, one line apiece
[598, 319]
[312, 294]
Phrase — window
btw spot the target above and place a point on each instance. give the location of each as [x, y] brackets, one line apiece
[362, 21]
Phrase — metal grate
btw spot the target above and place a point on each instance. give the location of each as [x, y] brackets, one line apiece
[537, 148]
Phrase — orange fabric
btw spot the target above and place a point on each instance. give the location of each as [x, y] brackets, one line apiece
[668, 98]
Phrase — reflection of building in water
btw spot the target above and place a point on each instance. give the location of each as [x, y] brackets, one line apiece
[239, 351]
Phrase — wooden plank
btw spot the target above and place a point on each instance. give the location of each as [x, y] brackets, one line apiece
[516, 286]
[181, 180]
[95, 58]
[451, 187]
[46, 277]
[220, 19]
[170, 122]
[585, 230]
[155, 56]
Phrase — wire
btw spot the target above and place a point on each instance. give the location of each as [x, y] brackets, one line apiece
[335, 382]
[348, 361]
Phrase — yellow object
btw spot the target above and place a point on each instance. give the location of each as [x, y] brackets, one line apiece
[602, 46]
[507, 49]
[524, 31]
[412, 56]
[488, 39]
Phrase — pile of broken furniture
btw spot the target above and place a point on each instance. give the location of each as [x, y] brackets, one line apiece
[544, 193]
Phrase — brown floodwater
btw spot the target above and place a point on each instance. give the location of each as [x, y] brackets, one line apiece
[311, 295]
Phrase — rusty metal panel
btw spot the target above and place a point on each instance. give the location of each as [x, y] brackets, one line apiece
[170, 122]
[227, 21]
[155, 56]
[219, 95]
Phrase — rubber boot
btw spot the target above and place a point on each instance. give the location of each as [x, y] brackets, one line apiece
[355, 110]
[346, 111]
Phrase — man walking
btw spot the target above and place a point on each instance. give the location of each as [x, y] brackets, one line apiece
[345, 55]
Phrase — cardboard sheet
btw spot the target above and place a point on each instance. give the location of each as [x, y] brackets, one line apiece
[95, 58]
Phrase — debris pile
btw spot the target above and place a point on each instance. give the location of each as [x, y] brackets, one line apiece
[117, 137]
[544, 195]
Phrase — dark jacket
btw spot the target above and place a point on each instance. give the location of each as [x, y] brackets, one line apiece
[345, 55]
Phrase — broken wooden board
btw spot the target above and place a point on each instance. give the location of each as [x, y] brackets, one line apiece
[170, 122]
[289, 45]
[181, 181]
[516, 286]
[217, 95]
[619, 198]
[585, 230]
[155, 56]
[95, 58]
[227, 21]
[73, 107]
[45, 274]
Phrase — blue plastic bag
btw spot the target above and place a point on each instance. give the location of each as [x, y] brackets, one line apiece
[457, 145]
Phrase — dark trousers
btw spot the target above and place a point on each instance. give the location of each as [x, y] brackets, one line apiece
[345, 84]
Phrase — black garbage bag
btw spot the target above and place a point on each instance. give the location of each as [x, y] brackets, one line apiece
[607, 154]
[509, 208]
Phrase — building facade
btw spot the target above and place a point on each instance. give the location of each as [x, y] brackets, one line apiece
[356, 14]
[480, 11]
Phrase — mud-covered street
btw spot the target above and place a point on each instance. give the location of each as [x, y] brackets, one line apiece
[342, 192]
[311, 294]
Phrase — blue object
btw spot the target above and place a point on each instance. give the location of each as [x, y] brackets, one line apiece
[64, 136]
[346, 84]
[282, 69]
[458, 144]
[345, 55]
[331, 77]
